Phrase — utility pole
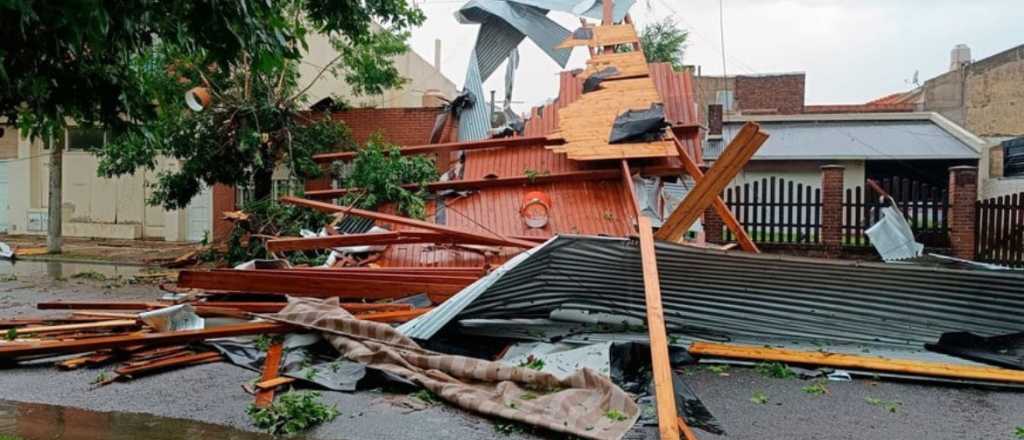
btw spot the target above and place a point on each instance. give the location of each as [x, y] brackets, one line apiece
[53, 231]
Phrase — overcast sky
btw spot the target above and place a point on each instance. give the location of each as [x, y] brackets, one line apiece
[851, 50]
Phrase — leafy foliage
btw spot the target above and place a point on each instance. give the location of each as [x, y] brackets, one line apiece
[380, 170]
[426, 396]
[777, 370]
[759, 398]
[533, 363]
[817, 388]
[892, 406]
[615, 415]
[269, 218]
[293, 412]
[664, 42]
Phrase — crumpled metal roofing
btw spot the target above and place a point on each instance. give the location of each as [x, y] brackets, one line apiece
[718, 295]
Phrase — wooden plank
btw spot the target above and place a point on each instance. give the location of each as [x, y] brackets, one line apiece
[870, 363]
[405, 221]
[690, 166]
[274, 307]
[287, 244]
[732, 160]
[117, 323]
[271, 365]
[668, 424]
[177, 361]
[398, 316]
[627, 183]
[358, 277]
[10, 351]
[462, 185]
[274, 383]
[524, 141]
[99, 305]
[306, 284]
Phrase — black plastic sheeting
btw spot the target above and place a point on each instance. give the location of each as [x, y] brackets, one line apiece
[593, 82]
[305, 358]
[631, 370]
[639, 125]
[1002, 350]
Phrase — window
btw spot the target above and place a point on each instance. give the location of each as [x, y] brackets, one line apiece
[85, 139]
[1013, 158]
[725, 98]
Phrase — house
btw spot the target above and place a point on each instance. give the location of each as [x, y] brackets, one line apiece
[116, 208]
[916, 145]
[985, 97]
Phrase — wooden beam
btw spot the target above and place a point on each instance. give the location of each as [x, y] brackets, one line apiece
[394, 317]
[426, 278]
[531, 141]
[287, 244]
[690, 166]
[84, 326]
[271, 365]
[405, 221]
[14, 350]
[176, 361]
[465, 185]
[870, 363]
[665, 396]
[308, 284]
[627, 182]
[731, 161]
[100, 305]
[274, 383]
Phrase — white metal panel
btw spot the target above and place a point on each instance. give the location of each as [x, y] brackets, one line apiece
[199, 216]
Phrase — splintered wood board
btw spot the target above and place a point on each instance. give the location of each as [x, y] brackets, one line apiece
[629, 64]
[586, 124]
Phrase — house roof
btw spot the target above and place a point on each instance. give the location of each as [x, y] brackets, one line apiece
[870, 136]
[577, 207]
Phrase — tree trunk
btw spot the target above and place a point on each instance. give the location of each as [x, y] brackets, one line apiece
[54, 232]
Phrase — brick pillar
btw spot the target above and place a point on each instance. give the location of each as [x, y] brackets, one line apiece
[713, 226]
[832, 208]
[963, 196]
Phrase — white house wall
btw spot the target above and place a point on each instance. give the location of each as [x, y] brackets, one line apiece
[806, 172]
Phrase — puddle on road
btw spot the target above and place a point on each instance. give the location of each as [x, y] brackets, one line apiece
[33, 421]
[62, 269]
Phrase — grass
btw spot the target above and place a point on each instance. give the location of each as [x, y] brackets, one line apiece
[533, 363]
[426, 396]
[890, 405]
[776, 370]
[293, 412]
[759, 398]
[721, 370]
[817, 388]
[615, 415]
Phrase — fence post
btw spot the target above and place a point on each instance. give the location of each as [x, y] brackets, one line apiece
[963, 198]
[832, 209]
[713, 226]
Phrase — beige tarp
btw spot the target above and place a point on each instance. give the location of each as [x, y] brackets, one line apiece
[580, 404]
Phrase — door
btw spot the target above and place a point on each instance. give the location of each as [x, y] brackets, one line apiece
[4, 197]
[199, 216]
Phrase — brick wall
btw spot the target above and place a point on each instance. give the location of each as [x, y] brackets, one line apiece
[400, 126]
[832, 208]
[783, 94]
[963, 196]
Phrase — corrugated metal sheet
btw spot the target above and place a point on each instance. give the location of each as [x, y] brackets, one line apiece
[725, 296]
[852, 139]
[594, 9]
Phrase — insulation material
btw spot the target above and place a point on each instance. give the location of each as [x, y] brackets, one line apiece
[892, 236]
[639, 125]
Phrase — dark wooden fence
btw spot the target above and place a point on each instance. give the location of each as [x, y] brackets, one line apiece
[776, 211]
[925, 207]
[1000, 230]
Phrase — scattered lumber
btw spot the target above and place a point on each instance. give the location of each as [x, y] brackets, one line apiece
[723, 211]
[99, 305]
[176, 361]
[271, 365]
[664, 391]
[12, 351]
[307, 284]
[522, 141]
[870, 363]
[732, 160]
[383, 238]
[274, 383]
[69, 327]
[405, 221]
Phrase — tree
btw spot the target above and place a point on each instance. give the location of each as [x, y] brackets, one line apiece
[664, 42]
[78, 61]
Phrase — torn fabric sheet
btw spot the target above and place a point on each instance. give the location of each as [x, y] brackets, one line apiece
[576, 405]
